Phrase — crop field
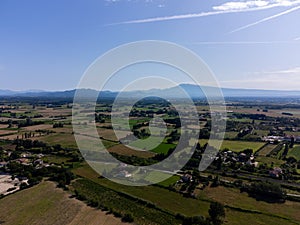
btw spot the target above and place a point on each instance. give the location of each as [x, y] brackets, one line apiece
[51, 112]
[52, 205]
[266, 150]
[38, 127]
[237, 146]
[7, 132]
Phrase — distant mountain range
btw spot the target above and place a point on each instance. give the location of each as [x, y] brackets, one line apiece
[193, 90]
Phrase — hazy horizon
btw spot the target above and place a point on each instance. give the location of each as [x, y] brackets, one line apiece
[70, 89]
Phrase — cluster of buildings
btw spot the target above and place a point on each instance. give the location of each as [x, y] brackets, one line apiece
[229, 157]
[26, 159]
[10, 183]
[273, 139]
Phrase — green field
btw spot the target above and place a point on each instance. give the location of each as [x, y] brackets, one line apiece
[295, 152]
[231, 134]
[172, 180]
[237, 146]
[269, 160]
[163, 148]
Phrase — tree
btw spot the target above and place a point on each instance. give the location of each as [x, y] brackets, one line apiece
[127, 218]
[286, 150]
[216, 213]
[292, 142]
[195, 220]
[216, 181]
[267, 190]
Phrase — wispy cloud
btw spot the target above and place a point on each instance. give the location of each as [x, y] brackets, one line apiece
[240, 42]
[286, 79]
[255, 4]
[295, 70]
[240, 5]
[226, 8]
[297, 39]
[266, 19]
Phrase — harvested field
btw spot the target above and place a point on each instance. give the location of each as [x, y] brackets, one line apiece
[3, 126]
[7, 132]
[38, 127]
[50, 112]
[11, 136]
[45, 204]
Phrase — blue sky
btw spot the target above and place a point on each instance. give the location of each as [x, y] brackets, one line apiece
[247, 44]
